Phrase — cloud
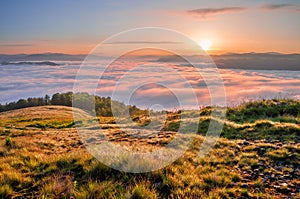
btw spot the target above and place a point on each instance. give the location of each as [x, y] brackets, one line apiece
[144, 42]
[16, 45]
[33, 80]
[204, 12]
[279, 6]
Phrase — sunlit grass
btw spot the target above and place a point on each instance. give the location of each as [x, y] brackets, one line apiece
[49, 161]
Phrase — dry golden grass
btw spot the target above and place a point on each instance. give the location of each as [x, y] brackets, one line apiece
[42, 156]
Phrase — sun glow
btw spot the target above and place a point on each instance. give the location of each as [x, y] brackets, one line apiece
[205, 44]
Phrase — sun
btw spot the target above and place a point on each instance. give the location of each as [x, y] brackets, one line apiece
[205, 44]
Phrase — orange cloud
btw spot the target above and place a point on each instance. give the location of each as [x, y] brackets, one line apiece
[277, 6]
[204, 12]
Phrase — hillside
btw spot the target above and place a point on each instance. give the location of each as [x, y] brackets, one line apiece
[41, 156]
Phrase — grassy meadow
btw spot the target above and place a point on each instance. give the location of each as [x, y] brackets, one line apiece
[257, 156]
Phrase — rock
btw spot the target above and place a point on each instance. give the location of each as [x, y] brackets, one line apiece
[255, 166]
[272, 179]
[157, 184]
[292, 150]
[91, 140]
[262, 165]
[276, 186]
[261, 151]
[282, 188]
[279, 168]
[291, 156]
[287, 176]
[292, 186]
[245, 185]
[262, 175]
[73, 145]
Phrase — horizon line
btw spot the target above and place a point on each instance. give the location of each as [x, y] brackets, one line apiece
[226, 53]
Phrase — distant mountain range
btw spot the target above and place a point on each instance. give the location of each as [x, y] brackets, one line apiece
[258, 61]
[250, 61]
[41, 57]
[48, 63]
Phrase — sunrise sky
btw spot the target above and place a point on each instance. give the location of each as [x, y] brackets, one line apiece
[75, 27]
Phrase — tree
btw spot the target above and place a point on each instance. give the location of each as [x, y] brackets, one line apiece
[22, 103]
[47, 99]
[56, 99]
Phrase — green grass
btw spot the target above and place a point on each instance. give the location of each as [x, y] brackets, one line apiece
[275, 109]
[53, 124]
[8, 142]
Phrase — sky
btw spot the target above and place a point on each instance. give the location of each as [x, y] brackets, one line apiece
[77, 26]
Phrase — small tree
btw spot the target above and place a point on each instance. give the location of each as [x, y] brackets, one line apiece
[47, 99]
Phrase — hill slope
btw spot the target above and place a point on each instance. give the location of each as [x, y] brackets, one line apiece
[41, 156]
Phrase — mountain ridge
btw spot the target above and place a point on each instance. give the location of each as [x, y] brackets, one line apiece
[247, 61]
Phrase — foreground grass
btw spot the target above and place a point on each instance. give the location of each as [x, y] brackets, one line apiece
[49, 161]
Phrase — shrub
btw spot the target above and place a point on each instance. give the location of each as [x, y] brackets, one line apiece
[142, 192]
[279, 154]
[6, 191]
[94, 189]
[58, 186]
[8, 142]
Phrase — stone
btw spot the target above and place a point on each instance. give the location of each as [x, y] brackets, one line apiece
[245, 185]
